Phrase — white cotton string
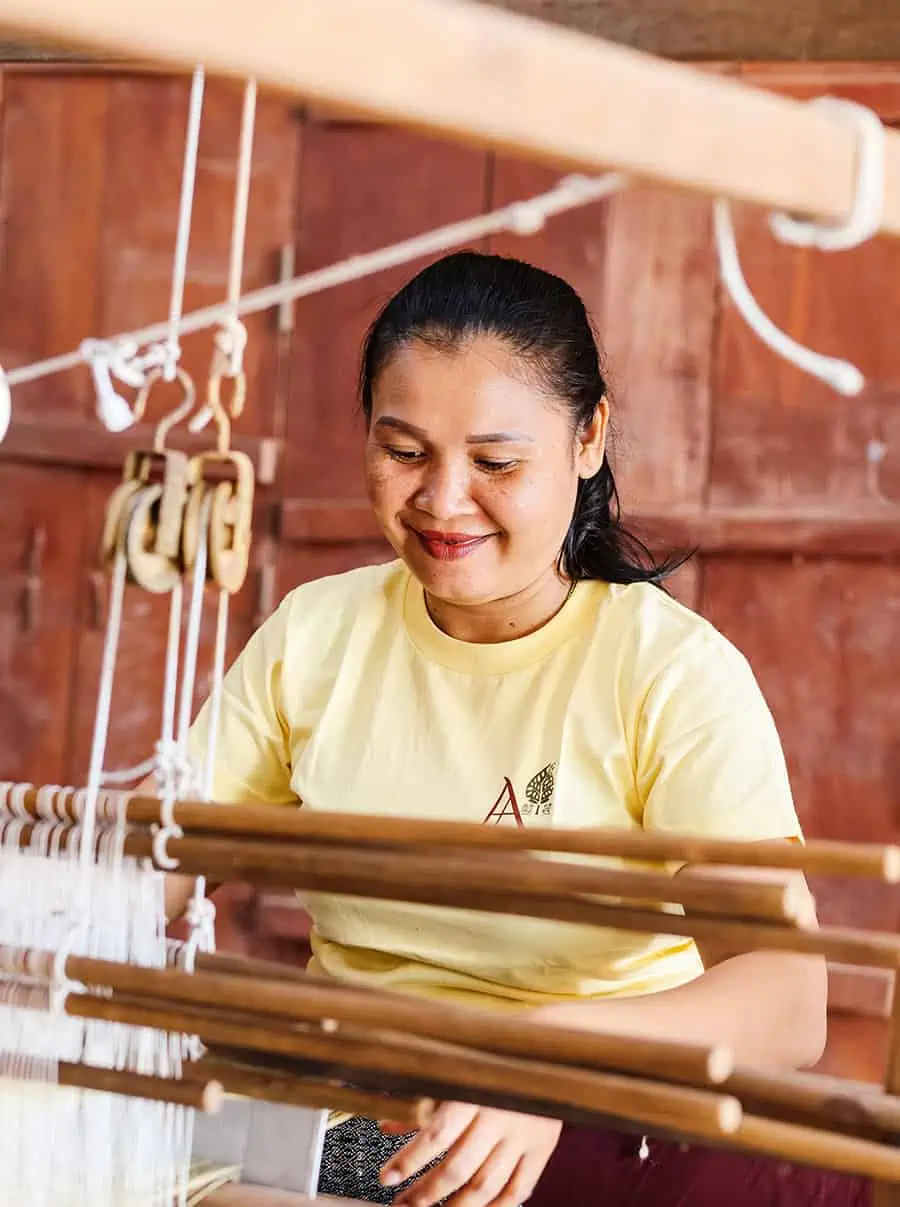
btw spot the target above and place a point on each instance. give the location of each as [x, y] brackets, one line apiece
[185, 215]
[863, 221]
[842, 376]
[523, 217]
[231, 338]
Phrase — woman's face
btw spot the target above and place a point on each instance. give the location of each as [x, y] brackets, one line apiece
[472, 470]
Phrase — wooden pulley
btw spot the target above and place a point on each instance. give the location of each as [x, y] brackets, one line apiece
[147, 567]
[230, 517]
[114, 519]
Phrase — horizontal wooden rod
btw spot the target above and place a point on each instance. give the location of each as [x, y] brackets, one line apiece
[818, 1100]
[804, 1145]
[309, 1000]
[500, 872]
[268, 1085]
[650, 1102]
[821, 857]
[494, 78]
[841, 944]
[203, 1093]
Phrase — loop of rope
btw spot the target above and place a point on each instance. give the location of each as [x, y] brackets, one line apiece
[867, 211]
[862, 222]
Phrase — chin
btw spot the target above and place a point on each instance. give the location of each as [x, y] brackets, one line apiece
[451, 582]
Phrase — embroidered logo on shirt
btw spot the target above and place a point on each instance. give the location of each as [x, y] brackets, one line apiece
[538, 799]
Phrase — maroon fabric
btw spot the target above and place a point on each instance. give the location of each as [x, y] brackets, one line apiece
[603, 1168]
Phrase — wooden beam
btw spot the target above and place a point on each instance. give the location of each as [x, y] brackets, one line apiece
[865, 534]
[718, 30]
[464, 70]
[86, 444]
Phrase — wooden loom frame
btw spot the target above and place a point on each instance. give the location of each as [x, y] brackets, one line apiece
[460, 70]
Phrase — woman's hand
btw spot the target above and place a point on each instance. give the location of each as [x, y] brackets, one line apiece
[493, 1158]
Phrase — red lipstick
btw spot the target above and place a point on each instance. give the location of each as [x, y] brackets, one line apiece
[449, 546]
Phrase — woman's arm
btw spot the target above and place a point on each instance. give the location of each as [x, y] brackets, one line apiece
[768, 1007]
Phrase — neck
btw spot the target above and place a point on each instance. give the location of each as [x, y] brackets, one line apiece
[502, 619]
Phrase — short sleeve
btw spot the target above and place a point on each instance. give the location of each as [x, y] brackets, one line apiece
[709, 761]
[252, 759]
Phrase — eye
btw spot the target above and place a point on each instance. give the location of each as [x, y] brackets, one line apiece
[491, 466]
[406, 455]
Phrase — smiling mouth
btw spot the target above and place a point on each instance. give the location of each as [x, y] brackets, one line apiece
[449, 547]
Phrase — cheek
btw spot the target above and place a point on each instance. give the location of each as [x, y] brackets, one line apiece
[536, 508]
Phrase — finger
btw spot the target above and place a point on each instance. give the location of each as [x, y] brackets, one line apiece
[487, 1186]
[389, 1127]
[521, 1184]
[456, 1169]
[449, 1123]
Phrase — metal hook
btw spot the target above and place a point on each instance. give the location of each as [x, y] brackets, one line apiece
[177, 414]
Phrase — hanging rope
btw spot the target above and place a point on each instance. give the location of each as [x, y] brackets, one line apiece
[521, 217]
[862, 223]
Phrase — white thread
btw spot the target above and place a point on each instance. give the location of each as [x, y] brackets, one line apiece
[185, 212]
[231, 338]
[5, 405]
[571, 193]
[839, 374]
[867, 211]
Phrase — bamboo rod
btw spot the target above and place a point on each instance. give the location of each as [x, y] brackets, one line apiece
[817, 1100]
[650, 1103]
[812, 1146]
[270, 1085]
[200, 1094]
[274, 822]
[844, 945]
[412, 871]
[312, 1001]
[490, 77]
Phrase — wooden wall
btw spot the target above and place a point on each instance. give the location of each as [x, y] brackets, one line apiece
[799, 530]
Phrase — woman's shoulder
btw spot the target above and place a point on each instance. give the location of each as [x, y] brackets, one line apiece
[326, 606]
[665, 635]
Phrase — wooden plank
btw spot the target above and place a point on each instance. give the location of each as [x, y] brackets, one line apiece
[783, 30]
[86, 444]
[359, 189]
[41, 541]
[522, 86]
[52, 178]
[258, 1196]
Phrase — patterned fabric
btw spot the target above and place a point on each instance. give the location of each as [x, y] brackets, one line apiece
[353, 1155]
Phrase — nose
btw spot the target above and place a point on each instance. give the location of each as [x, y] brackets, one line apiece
[444, 490]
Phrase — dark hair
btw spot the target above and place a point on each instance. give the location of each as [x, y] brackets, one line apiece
[543, 319]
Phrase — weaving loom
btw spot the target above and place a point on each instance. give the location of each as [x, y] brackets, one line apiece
[130, 1034]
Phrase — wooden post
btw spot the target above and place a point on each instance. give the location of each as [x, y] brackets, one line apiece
[887, 1194]
[464, 70]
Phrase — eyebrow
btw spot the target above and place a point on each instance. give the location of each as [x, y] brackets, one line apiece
[410, 429]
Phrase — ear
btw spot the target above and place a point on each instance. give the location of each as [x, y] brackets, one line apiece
[591, 445]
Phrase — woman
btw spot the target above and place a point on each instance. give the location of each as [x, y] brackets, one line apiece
[518, 664]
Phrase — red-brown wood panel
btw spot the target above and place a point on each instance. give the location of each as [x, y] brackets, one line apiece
[360, 189]
[52, 181]
[822, 639]
[40, 554]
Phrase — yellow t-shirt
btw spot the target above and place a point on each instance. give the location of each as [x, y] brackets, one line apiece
[625, 710]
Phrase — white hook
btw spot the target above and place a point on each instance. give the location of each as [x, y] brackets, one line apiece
[863, 221]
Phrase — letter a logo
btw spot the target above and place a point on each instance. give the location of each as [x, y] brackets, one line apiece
[505, 806]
